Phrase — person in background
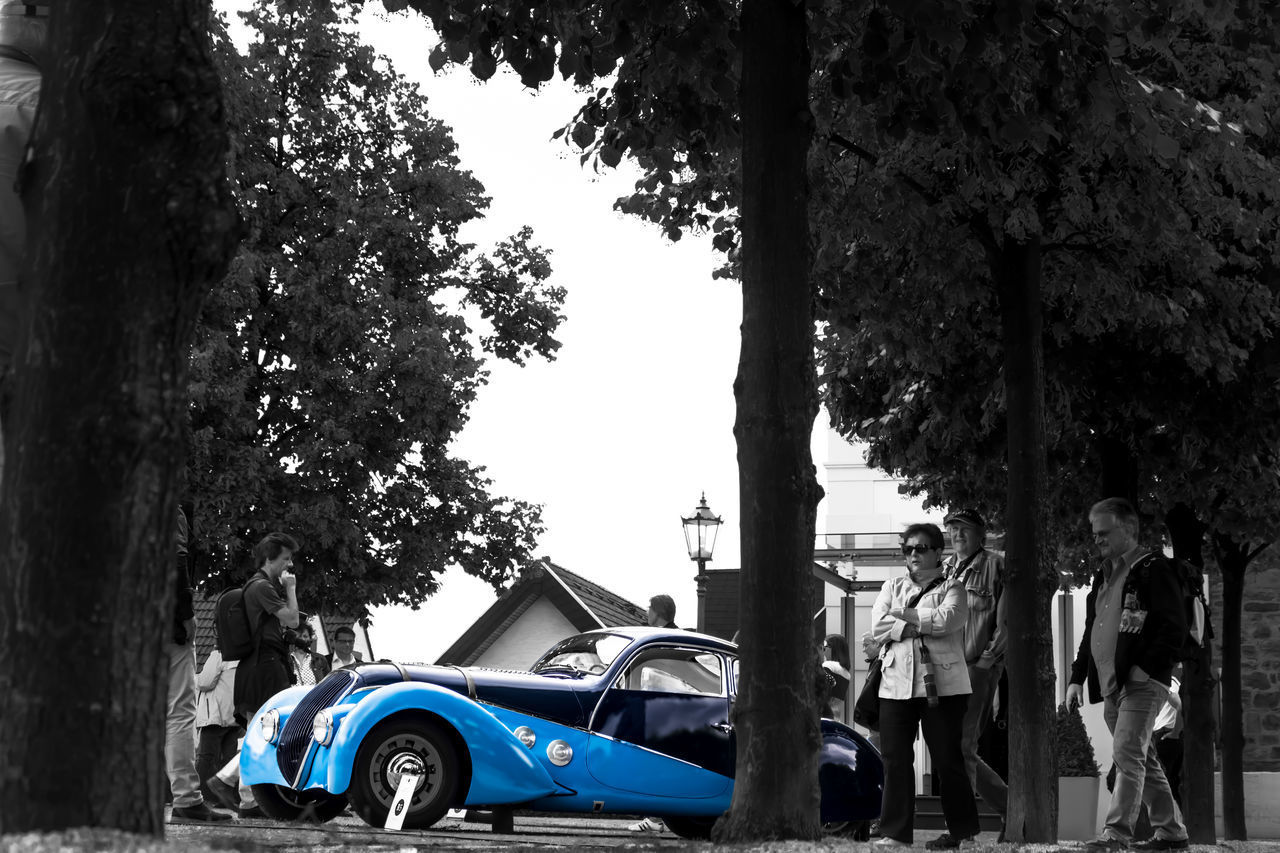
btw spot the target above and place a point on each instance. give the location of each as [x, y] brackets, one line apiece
[308, 667]
[180, 716]
[917, 625]
[1168, 736]
[24, 30]
[1133, 631]
[662, 612]
[981, 573]
[835, 650]
[215, 716]
[344, 653]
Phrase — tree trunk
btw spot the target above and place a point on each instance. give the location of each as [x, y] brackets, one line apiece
[1233, 558]
[776, 714]
[1199, 692]
[1030, 581]
[130, 224]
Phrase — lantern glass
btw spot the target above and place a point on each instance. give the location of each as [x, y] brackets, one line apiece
[700, 531]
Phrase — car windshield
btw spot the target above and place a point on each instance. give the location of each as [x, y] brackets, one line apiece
[585, 654]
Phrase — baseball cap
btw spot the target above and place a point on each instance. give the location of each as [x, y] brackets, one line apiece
[966, 518]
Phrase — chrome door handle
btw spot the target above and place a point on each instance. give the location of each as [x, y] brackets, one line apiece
[722, 727]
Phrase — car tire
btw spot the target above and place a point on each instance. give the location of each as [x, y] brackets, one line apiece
[387, 752]
[693, 828]
[283, 803]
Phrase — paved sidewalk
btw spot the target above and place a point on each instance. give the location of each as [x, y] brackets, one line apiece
[349, 832]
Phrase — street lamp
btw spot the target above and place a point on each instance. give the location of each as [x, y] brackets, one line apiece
[700, 531]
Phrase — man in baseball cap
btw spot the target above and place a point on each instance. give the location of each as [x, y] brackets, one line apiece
[982, 573]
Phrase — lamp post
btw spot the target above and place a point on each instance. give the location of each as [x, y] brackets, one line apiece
[700, 531]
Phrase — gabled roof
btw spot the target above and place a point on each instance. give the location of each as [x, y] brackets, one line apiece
[585, 604]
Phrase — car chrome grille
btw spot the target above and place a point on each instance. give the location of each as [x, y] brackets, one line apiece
[296, 735]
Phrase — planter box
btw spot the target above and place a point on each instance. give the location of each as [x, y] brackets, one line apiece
[1077, 808]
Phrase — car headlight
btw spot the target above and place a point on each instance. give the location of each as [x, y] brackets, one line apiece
[269, 725]
[559, 753]
[322, 728]
[526, 736]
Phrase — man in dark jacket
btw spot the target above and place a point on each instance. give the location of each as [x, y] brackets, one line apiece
[180, 710]
[1134, 627]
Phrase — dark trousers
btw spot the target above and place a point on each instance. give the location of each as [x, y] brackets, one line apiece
[943, 729]
[215, 748]
[1169, 751]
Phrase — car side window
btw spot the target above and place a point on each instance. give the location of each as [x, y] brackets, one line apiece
[676, 671]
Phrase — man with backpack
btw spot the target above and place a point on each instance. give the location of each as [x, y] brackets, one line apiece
[270, 604]
[1135, 628]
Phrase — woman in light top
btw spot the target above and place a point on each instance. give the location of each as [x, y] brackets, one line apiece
[917, 627]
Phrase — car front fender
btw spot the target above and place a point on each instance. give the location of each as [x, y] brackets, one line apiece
[502, 769]
[257, 757]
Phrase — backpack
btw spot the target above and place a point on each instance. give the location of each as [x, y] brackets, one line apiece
[236, 637]
[1196, 607]
[1194, 604]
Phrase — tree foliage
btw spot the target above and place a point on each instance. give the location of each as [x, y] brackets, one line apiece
[337, 360]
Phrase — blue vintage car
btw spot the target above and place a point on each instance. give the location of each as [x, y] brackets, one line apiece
[620, 720]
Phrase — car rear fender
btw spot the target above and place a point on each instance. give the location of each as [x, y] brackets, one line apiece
[502, 769]
[850, 773]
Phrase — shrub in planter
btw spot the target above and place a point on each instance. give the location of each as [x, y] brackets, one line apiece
[1077, 778]
[1075, 750]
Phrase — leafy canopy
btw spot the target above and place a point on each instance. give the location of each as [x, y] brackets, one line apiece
[338, 359]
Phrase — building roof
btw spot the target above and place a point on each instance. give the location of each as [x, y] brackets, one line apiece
[722, 614]
[584, 603]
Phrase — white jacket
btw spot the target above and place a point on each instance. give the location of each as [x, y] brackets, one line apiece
[216, 686]
[942, 613]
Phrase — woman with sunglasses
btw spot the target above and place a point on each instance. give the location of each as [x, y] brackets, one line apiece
[918, 628]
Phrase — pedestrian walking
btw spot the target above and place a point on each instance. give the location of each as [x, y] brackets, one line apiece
[1134, 627]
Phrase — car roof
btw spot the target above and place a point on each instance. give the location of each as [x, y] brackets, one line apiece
[648, 633]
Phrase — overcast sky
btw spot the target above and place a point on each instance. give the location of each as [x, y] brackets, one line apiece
[619, 436]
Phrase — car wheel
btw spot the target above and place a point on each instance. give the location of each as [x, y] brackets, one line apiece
[283, 803]
[694, 828]
[389, 752]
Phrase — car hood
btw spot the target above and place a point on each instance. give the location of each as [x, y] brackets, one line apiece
[562, 700]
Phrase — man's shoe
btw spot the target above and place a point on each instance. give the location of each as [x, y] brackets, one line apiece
[227, 796]
[648, 825]
[1158, 843]
[200, 812]
[885, 841]
[1106, 844]
[947, 841]
[252, 812]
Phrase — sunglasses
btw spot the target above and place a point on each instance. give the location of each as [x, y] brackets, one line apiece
[917, 549]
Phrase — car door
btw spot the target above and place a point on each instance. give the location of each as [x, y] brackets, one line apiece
[663, 725]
